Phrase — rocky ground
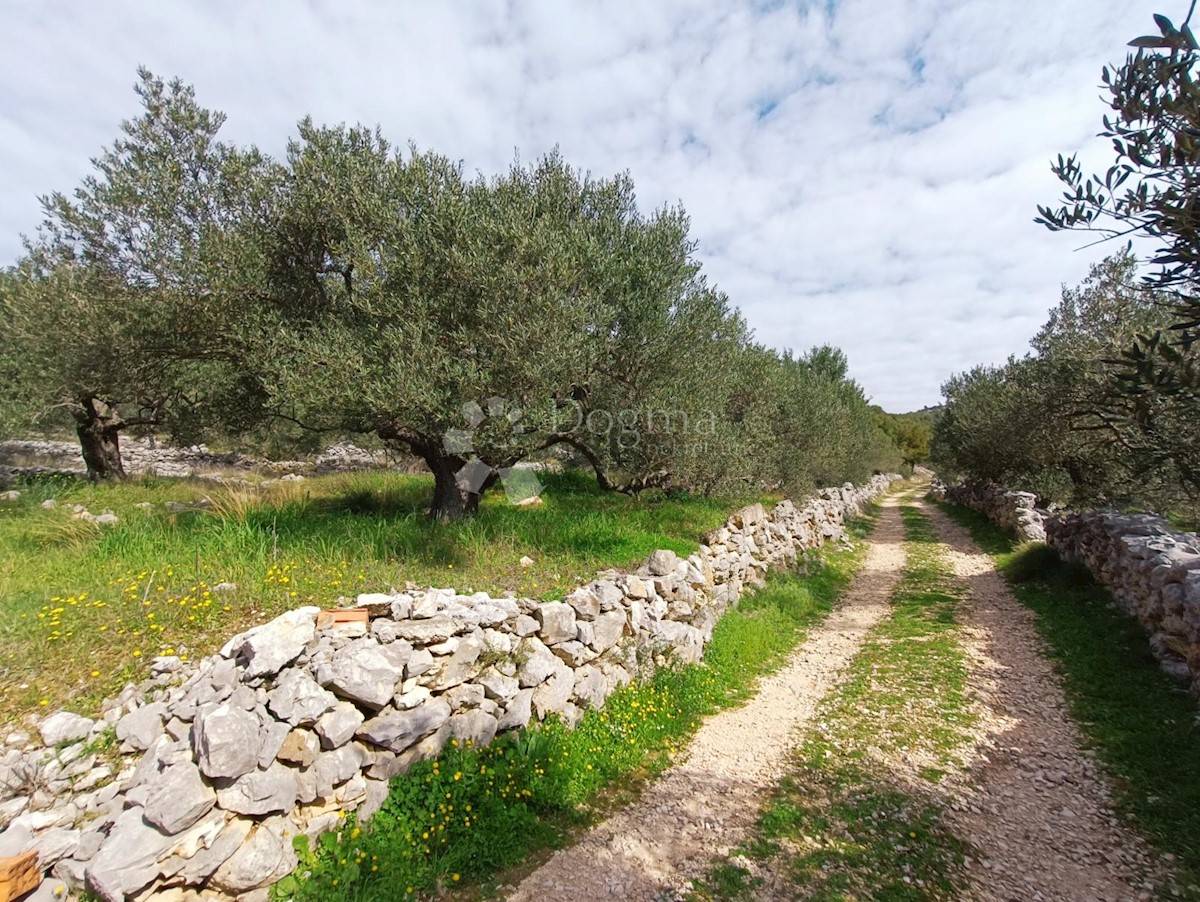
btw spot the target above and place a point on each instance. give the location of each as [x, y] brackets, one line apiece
[145, 456]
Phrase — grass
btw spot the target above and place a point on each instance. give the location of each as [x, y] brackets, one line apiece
[1142, 725]
[856, 818]
[464, 819]
[85, 607]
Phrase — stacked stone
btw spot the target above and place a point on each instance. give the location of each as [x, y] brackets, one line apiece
[291, 725]
[138, 456]
[346, 457]
[1015, 511]
[142, 456]
[1152, 572]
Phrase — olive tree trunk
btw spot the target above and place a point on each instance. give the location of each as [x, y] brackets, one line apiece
[456, 493]
[99, 426]
[453, 499]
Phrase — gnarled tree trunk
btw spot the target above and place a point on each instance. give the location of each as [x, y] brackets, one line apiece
[659, 479]
[456, 492]
[99, 426]
[453, 497]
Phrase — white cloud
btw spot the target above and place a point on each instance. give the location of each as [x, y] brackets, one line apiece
[858, 173]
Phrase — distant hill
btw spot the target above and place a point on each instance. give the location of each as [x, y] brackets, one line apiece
[930, 412]
[911, 432]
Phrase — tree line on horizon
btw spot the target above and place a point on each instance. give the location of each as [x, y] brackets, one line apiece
[1106, 407]
[193, 288]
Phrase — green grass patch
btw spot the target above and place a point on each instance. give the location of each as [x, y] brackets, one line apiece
[855, 818]
[464, 818]
[1142, 725]
[86, 607]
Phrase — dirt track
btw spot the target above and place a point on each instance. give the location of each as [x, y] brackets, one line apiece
[708, 802]
[1034, 805]
[1030, 800]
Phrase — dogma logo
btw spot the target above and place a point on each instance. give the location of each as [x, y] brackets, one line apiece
[521, 484]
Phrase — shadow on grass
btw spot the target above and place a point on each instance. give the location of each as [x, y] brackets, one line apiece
[576, 517]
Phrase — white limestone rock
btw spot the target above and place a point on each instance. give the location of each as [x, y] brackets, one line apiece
[269, 648]
[365, 672]
[428, 631]
[397, 730]
[261, 792]
[459, 665]
[590, 687]
[226, 741]
[177, 798]
[539, 662]
[473, 728]
[556, 621]
[524, 625]
[264, 857]
[607, 630]
[517, 712]
[496, 685]
[662, 563]
[200, 865]
[127, 861]
[64, 727]
[298, 699]
[336, 727]
[338, 766]
[141, 727]
[552, 696]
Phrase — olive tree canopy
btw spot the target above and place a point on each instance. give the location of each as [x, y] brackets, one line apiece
[127, 309]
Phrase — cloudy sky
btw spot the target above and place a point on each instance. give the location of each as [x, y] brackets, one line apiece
[858, 172]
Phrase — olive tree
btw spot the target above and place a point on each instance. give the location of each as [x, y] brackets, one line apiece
[910, 432]
[128, 306]
[441, 312]
[12, 369]
[1049, 422]
[1151, 190]
[353, 287]
[808, 424]
[652, 405]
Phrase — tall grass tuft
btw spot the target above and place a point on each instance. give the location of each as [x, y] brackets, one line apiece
[63, 531]
[236, 504]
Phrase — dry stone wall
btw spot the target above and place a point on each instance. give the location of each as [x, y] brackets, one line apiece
[296, 722]
[1152, 572]
[138, 455]
[143, 456]
[1015, 511]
